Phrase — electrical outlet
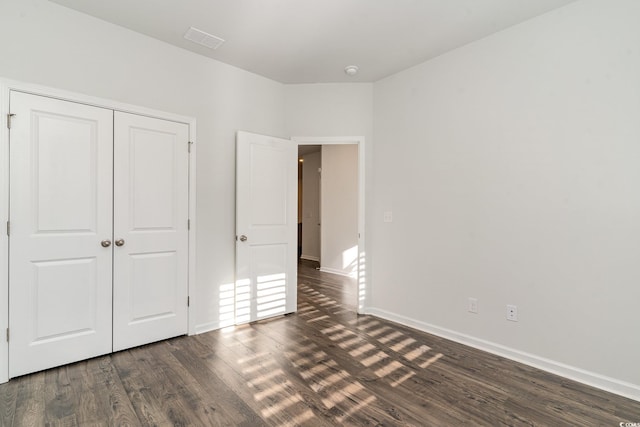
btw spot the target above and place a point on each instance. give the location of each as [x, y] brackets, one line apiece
[473, 305]
[512, 313]
[387, 217]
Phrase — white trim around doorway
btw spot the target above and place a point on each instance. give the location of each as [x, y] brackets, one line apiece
[362, 284]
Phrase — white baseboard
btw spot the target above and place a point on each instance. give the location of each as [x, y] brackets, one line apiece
[310, 257]
[207, 327]
[622, 388]
[336, 271]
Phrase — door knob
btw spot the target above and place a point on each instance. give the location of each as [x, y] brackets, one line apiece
[243, 238]
[105, 243]
[120, 242]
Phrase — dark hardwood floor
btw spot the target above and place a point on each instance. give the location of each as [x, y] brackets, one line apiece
[324, 366]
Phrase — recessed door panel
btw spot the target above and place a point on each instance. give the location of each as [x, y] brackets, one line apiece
[269, 186]
[64, 191]
[153, 291]
[60, 212]
[153, 179]
[64, 298]
[151, 201]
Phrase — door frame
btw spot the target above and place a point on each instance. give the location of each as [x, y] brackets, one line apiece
[6, 86]
[362, 282]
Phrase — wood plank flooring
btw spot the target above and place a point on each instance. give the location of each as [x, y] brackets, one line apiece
[323, 366]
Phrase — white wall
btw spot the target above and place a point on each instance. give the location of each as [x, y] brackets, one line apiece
[311, 206]
[329, 109]
[54, 46]
[339, 209]
[512, 168]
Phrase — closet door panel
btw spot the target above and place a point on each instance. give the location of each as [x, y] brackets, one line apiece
[60, 212]
[151, 204]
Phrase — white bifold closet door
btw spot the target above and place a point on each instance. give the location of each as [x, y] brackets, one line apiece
[73, 293]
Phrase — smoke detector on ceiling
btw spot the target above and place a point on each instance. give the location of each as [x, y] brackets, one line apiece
[351, 70]
[205, 39]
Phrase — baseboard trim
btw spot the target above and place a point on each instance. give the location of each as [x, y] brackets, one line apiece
[336, 271]
[207, 327]
[622, 388]
[310, 258]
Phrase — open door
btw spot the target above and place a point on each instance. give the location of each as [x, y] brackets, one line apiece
[266, 226]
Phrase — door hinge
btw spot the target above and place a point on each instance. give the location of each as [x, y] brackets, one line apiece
[7, 334]
[9, 116]
[188, 224]
[188, 301]
[8, 228]
[189, 144]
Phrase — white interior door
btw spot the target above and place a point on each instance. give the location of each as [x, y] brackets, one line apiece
[60, 212]
[266, 226]
[151, 165]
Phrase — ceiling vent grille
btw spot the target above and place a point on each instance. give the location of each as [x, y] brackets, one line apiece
[205, 39]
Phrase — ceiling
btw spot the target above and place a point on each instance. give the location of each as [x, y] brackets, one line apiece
[312, 41]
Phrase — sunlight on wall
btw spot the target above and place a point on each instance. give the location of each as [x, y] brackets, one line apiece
[362, 282]
[350, 261]
[243, 300]
[227, 307]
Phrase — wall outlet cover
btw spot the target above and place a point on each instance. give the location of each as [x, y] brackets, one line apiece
[473, 305]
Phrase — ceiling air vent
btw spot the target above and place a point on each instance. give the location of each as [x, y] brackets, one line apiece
[205, 39]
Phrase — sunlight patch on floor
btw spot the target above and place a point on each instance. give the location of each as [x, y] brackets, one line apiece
[399, 381]
[273, 410]
[319, 318]
[348, 392]
[301, 419]
[364, 348]
[264, 378]
[392, 336]
[379, 356]
[366, 402]
[432, 360]
[370, 355]
[415, 353]
[271, 391]
[402, 345]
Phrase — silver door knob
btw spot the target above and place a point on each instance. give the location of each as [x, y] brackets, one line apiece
[119, 242]
[243, 238]
[105, 243]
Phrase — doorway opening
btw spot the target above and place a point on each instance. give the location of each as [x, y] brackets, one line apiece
[331, 209]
